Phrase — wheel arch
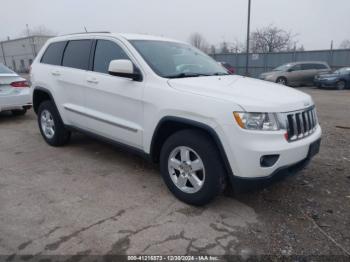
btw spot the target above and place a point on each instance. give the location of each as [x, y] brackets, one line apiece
[168, 125]
[41, 94]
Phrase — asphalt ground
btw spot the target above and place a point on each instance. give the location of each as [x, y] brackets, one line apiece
[90, 198]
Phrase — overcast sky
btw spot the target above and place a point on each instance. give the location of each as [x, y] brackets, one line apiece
[316, 22]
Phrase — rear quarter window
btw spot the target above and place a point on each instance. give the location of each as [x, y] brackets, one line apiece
[53, 53]
[77, 54]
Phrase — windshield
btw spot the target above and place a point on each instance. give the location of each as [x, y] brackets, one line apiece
[175, 60]
[342, 70]
[5, 70]
[283, 67]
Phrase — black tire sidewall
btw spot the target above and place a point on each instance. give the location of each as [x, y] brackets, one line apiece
[61, 135]
[337, 85]
[281, 77]
[214, 172]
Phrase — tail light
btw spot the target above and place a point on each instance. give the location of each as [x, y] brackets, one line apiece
[20, 84]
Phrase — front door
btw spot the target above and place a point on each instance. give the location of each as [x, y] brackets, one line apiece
[113, 104]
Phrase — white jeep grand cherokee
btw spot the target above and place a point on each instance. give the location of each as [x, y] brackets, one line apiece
[177, 106]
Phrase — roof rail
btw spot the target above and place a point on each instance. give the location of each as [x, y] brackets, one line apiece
[92, 32]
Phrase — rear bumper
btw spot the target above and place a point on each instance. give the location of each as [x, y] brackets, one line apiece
[16, 101]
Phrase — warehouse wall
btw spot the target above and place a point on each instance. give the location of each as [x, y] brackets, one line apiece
[18, 54]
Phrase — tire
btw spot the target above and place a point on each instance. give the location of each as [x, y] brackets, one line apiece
[202, 148]
[19, 112]
[59, 134]
[340, 85]
[282, 80]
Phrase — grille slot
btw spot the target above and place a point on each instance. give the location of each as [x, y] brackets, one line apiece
[301, 123]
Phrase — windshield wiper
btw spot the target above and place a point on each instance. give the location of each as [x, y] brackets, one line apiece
[220, 74]
[183, 75]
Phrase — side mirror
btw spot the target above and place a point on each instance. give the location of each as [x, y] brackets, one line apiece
[124, 68]
[290, 70]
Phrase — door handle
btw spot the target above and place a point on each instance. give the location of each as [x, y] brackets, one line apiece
[92, 80]
[56, 73]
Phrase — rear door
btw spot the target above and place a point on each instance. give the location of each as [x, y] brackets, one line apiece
[322, 68]
[308, 73]
[72, 81]
[114, 104]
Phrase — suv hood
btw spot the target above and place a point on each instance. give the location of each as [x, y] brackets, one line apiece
[251, 94]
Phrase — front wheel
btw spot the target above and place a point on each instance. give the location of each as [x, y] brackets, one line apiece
[341, 85]
[281, 81]
[192, 168]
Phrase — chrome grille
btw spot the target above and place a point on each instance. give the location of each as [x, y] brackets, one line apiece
[301, 123]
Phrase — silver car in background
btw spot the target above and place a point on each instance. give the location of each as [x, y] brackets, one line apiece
[15, 93]
[297, 73]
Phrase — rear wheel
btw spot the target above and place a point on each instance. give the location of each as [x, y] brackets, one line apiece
[19, 112]
[51, 126]
[281, 81]
[340, 85]
[192, 168]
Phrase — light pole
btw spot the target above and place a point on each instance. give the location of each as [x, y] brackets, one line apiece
[248, 35]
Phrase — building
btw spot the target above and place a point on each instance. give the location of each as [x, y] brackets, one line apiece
[18, 54]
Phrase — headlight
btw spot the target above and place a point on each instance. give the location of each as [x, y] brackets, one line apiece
[330, 78]
[257, 121]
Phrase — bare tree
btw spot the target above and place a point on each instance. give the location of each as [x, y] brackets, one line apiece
[237, 46]
[345, 44]
[38, 31]
[197, 40]
[271, 39]
[212, 49]
[224, 48]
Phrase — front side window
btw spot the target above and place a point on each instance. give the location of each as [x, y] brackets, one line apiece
[77, 54]
[296, 68]
[175, 60]
[105, 52]
[283, 68]
[53, 53]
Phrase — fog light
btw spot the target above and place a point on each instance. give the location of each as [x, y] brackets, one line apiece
[268, 160]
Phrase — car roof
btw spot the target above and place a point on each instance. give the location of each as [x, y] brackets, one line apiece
[126, 36]
[308, 62]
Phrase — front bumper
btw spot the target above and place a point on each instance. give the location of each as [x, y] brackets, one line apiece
[245, 149]
[240, 184]
[325, 83]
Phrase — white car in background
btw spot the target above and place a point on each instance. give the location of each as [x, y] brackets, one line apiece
[14, 92]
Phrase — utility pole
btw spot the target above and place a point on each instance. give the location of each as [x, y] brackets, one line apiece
[3, 52]
[248, 37]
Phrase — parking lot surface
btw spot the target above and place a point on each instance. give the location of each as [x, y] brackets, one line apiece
[92, 198]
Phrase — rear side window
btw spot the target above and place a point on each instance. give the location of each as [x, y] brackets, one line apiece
[53, 53]
[320, 66]
[77, 54]
[105, 52]
[308, 66]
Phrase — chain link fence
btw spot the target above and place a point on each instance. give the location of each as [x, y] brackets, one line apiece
[263, 62]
